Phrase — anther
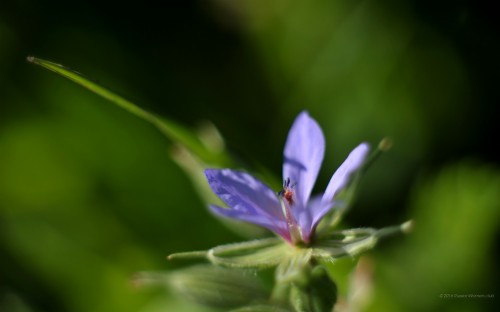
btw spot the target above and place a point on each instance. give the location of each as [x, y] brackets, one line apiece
[287, 192]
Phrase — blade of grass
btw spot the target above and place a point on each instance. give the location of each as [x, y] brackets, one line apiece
[172, 130]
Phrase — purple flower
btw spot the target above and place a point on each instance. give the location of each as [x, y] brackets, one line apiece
[291, 213]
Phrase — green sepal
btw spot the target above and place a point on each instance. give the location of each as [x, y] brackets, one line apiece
[295, 267]
[258, 254]
[344, 243]
[352, 242]
[188, 255]
[291, 261]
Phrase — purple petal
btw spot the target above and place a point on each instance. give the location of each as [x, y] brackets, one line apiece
[304, 218]
[303, 155]
[244, 193]
[340, 179]
[276, 225]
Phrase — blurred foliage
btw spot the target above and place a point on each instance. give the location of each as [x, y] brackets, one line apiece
[90, 194]
[457, 215]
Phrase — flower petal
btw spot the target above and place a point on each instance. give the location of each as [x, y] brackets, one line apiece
[244, 193]
[303, 155]
[304, 217]
[278, 226]
[340, 179]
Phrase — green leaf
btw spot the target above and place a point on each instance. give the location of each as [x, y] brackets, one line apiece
[172, 130]
[453, 247]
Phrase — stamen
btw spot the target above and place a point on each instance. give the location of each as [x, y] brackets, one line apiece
[286, 183]
[287, 192]
[293, 228]
[286, 200]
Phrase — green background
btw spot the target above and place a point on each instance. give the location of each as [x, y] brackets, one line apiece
[89, 194]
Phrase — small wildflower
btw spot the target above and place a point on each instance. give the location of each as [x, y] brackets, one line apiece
[291, 213]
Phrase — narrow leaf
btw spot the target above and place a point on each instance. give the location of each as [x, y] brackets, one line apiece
[172, 130]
